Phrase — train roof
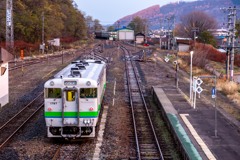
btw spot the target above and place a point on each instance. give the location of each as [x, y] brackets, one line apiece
[89, 69]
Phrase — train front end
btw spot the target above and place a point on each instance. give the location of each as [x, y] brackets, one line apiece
[71, 107]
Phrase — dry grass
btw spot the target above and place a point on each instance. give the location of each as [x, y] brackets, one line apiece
[229, 88]
[235, 97]
[183, 54]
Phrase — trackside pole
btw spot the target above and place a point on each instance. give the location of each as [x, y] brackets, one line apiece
[197, 88]
[190, 89]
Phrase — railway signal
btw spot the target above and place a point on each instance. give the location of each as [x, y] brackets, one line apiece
[196, 89]
[198, 85]
[166, 59]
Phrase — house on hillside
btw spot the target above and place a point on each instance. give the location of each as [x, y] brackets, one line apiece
[5, 57]
[183, 44]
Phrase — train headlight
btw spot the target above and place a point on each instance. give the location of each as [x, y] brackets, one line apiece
[51, 83]
[88, 83]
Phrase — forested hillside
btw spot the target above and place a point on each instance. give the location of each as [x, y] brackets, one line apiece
[61, 19]
[177, 10]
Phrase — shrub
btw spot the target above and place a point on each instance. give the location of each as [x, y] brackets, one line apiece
[204, 52]
[230, 88]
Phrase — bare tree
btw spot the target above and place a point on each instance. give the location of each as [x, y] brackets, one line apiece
[93, 24]
[97, 25]
[195, 19]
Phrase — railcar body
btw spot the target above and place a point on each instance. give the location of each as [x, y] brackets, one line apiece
[73, 99]
[102, 35]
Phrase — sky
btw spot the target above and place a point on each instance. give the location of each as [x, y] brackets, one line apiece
[109, 11]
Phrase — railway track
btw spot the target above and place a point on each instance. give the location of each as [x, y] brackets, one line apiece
[147, 144]
[98, 48]
[67, 151]
[24, 63]
[13, 125]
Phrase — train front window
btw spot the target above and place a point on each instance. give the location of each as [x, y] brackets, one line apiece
[88, 93]
[53, 93]
[70, 96]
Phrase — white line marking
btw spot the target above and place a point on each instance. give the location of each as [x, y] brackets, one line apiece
[113, 102]
[48, 73]
[96, 155]
[114, 88]
[199, 140]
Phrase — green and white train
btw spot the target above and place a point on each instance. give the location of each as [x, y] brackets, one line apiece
[73, 99]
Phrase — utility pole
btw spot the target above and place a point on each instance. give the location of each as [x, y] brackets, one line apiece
[43, 44]
[232, 12]
[170, 30]
[195, 30]
[146, 33]
[232, 32]
[160, 35]
[118, 25]
[168, 33]
[9, 26]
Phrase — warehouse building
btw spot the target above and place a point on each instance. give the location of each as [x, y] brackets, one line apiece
[125, 34]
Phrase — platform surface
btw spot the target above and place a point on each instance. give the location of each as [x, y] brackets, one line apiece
[213, 136]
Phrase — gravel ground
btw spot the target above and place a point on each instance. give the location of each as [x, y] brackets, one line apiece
[31, 142]
[117, 137]
[118, 142]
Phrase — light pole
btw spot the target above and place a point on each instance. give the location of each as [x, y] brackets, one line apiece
[177, 67]
[190, 94]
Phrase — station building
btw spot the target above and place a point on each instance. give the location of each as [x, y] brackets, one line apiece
[5, 57]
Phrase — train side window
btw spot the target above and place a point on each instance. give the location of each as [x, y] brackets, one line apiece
[70, 96]
[88, 93]
[53, 93]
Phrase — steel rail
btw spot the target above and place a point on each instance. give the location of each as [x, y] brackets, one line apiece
[9, 137]
[145, 106]
[24, 120]
[20, 111]
[132, 110]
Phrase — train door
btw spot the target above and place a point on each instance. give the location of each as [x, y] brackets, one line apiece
[70, 114]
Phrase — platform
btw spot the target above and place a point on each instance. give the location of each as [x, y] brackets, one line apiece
[203, 132]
